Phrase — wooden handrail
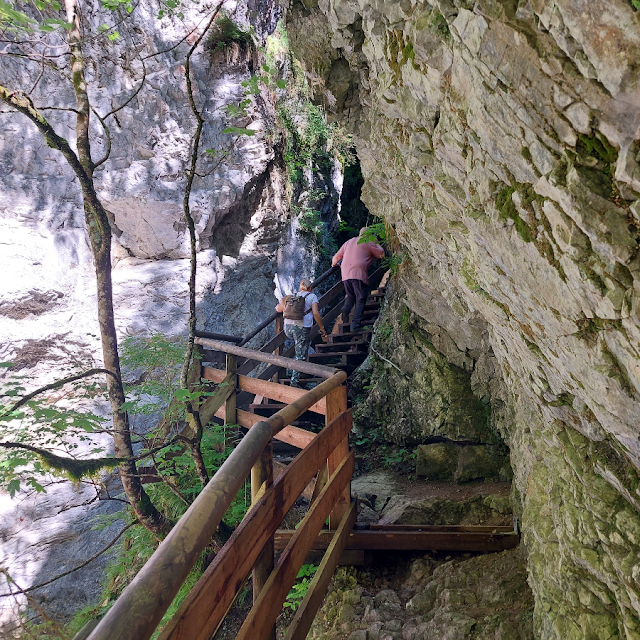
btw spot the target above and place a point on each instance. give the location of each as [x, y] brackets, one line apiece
[265, 611]
[297, 365]
[139, 609]
[271, 390]
[206, 605]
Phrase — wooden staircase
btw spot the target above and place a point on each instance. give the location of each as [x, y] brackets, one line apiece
[276, 412]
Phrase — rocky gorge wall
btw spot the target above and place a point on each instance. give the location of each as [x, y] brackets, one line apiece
[499, 138]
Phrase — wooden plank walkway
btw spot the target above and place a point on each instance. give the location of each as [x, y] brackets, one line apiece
[399, 540]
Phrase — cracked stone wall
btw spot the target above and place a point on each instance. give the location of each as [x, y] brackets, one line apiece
[500, 139]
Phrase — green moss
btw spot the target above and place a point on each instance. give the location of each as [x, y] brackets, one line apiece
[564, 400]
[469, 276]
[598, 147]
[526, 154]
[559, 175]
[613, 369]
[226, 32]
[588, 328]
[438, 25]
[405, 319]
[600, 176]
[546, 248]
[507, 209]
[408, 53]
[459, 225]
[533, 347]
[399, 53]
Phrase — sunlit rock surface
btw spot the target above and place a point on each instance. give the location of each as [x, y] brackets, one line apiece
[48, 310]
[500, 139]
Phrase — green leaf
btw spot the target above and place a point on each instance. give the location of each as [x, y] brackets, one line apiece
[239, 131]
[36, 485]
[281, 84]
[60, 23]
[13, 487]
[5, 364]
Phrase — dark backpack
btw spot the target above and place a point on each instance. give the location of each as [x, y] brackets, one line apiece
[294, 307]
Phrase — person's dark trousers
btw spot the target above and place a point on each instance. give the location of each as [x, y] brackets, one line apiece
[356, 293]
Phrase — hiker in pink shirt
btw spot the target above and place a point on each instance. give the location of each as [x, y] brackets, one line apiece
[356, 257]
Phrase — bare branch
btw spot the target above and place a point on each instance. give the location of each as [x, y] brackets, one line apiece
[191, 173]
[55, 385]
[137, 91]
[58, 109]
[35, 84]
[107, 135]
[22, 103]
[75, 467]
[175, 46]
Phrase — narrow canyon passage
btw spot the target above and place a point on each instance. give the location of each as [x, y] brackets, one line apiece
[492, 146]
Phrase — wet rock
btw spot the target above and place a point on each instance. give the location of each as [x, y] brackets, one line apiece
[405, 510]
[437, 461]
[485, 597]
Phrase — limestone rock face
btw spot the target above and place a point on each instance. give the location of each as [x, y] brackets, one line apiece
[429, 384]
[500, 140]
[485, 597]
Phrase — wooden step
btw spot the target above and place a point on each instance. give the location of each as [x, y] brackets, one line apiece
[337, 346]
[481, 542]
[362, 337]
[346, 336]
[347, 357]
[345, 328]
[303, 380]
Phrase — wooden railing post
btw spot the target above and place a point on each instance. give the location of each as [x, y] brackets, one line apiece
[337, 404]
[278, 350]
[261, 480]
[230, 409]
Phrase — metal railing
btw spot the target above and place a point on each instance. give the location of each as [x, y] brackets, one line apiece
[242, 340]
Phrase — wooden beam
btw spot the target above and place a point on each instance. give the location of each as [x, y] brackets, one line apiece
[306, 613]
[414, 541]
[294, 436]
[267, 389]
[336, 404]
[261, 480]
[453, 528]
[272, 346]
[211, 404]
[264, 612]
[206, 605]
[230, 416]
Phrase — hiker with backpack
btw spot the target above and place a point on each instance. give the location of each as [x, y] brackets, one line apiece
[299, 312]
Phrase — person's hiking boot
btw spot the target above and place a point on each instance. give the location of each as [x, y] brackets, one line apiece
[345, 317]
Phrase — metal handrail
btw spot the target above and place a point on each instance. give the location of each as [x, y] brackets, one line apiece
[265, 323]
[137, 612]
